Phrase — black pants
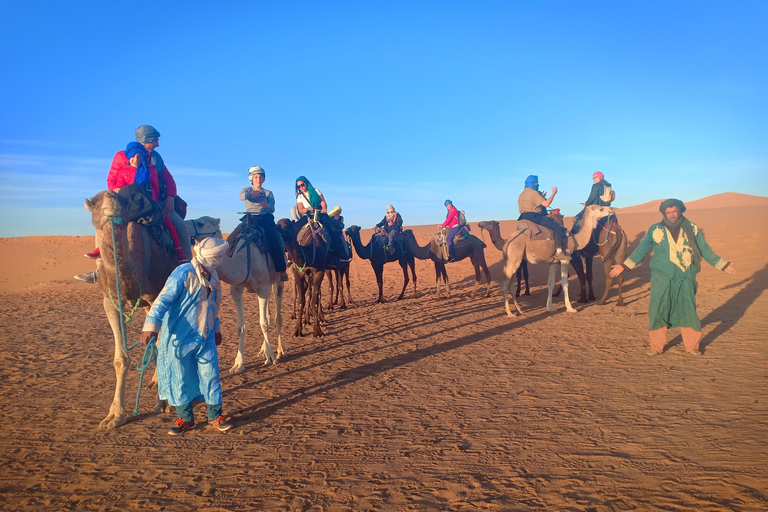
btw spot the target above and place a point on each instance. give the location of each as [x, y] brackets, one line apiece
[274, 240]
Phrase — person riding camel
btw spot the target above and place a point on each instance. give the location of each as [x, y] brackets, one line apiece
[128, 167]
[260, 209]
[452, 223]
[533, 205]
[310, 202]
[392, 224]
[601, 194]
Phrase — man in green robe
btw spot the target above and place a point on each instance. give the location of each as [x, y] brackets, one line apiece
[678, 248]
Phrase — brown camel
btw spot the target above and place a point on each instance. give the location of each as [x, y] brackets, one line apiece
[471, 247]
[143, 266]
[520, 246]
[608, 241]
[310, 255]
[378, 256]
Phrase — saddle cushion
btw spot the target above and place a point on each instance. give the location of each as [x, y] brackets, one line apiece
[535, 231]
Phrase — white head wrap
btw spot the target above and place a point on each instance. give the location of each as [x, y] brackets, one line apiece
[390, 208]
[255, 170]
[211, 252]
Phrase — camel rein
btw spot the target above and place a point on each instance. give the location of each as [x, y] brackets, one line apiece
[150, 353]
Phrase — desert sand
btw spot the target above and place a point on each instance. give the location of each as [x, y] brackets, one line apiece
[416, 404]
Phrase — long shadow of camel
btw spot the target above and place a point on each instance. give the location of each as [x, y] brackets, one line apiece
[266, 408]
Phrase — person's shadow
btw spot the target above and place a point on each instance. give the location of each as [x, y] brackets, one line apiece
[733, 309]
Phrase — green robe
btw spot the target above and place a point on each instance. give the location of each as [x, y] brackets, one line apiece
[673, 276]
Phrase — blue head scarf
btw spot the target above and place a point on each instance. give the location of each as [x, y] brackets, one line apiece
[532, 181]
[142, 173]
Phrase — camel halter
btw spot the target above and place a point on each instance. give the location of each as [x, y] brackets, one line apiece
[150, 353]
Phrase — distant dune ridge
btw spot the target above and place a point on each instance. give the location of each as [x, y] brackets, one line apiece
[724, 200]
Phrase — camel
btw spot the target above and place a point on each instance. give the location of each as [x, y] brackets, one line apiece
[610, 243]
[340, 272]
[522, 271]
[310, 257]
[378, 256]
[471, 247]
[249, 269]
[520, 246]
[143, 266]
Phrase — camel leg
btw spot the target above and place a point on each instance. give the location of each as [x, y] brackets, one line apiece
[277, 290]
[487, 279]
[564, 284]
[588, 272]
[349, 292]
[315, 302]
[329, 276]
[412, 264]
[437, 282]
[551, 287]
[406, 279]
[379, 271]
[266, 347]
[121, 362]
[301, 294]
[504, 286]
[477, 281]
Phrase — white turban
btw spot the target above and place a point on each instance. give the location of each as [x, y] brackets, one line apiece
[211, 252]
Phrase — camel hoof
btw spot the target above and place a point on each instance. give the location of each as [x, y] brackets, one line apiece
[238, 368]
[109, 423]
[572, 310]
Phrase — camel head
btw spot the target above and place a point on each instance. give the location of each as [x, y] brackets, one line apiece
[287, 229]
[203, 227]
[104, 206]
[593, 213]
[488, 225]
[353, 232]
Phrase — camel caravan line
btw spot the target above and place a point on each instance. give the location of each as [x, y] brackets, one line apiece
[137, 264]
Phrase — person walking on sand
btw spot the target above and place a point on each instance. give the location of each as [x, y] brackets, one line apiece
[187, 309]
[678, 248]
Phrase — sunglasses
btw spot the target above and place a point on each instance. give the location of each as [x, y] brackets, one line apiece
[301, 185]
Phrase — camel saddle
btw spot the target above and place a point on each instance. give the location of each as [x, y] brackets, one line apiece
[250, 234]
[461, 234]
[535, 231]
[138, 207]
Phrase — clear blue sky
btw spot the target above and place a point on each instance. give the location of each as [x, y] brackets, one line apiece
[406, 103]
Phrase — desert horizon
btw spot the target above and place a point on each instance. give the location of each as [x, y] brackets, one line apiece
[417, 404]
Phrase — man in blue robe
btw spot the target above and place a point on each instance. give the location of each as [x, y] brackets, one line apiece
[187, 309]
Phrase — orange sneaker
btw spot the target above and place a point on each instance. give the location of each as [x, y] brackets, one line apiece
[221, 424]
[181, 426]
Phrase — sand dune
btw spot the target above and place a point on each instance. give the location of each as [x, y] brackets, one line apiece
[408, 405]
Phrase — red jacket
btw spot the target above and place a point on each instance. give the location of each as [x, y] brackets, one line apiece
[452, 219]
[122, 173]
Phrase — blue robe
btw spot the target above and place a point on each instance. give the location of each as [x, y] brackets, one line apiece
[187, 360]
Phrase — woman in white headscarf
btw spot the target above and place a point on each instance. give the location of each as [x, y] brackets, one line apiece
[187, 309]
[392, 223]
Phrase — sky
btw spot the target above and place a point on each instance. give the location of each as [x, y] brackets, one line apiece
[379, 102]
